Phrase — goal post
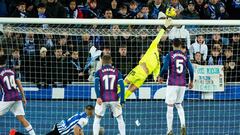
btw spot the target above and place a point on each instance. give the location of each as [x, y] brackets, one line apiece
[56, 61]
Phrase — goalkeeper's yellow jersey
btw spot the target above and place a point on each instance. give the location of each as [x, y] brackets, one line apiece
[151, 57]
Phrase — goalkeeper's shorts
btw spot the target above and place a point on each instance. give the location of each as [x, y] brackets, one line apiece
[137, 76]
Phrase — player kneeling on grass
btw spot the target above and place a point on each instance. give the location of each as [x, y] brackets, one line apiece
[11, 100]
[176, 64]
[106, 86]
[149, 63]
[73, 125]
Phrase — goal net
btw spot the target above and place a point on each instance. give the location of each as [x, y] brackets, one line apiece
[56, 60]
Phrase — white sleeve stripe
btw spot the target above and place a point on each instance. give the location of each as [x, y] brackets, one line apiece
[120, 79]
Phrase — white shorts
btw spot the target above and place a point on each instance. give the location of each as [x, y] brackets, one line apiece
[175, 94]
[115, 107]
[16, 107]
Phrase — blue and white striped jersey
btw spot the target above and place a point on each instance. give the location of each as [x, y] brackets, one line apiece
[65, 127]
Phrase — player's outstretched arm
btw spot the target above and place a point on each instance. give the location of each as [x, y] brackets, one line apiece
[97, 89]
[164, 69]
[19, 84]
[122, 92]
[161, 33]
[191, 72]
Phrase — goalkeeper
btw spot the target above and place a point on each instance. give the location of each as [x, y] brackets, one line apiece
[149, 64]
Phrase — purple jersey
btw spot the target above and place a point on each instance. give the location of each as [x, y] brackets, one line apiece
[177, 65]
[8, 85]
[108, 77]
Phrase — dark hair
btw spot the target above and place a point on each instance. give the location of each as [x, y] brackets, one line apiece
[41, 5]
[123, 46]
[200, 35]
[229, 48]
[21, 3]
[15, 50]
[3, 59]
[108, 10]
[133, 2]
[89, 107]
[58, 48]
[123, 7]
[106, 59]
[198, 52]
[177, 42]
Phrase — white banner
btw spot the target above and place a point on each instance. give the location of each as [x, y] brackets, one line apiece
[208, 78]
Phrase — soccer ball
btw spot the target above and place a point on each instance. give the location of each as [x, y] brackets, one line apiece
[171, 12]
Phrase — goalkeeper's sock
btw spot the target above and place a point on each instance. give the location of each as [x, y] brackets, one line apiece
[30, 130]
[121, 125]
[181, 114]
[128, 94]
[96, 125]
[169, 118]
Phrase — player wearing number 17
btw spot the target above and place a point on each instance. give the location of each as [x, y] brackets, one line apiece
[176, 64]
[11, 101]
[108, 78]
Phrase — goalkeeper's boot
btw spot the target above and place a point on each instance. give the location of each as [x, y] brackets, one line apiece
[170, 133]
[183, 131]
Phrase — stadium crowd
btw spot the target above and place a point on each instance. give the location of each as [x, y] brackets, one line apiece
[48, 58]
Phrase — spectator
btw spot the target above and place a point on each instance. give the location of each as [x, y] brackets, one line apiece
[2, 51]
[41, 8]
[177, 5]
[200, 46]
[75, 69]
[155, 7]
[94, 11]
[230, 65]
[105, 50]
[122, 62]
[11, 40]
[123, 12]
[198, 59]
[84, 48]
[217, 38]
[235, 40]
[48, 41]
[114, 8]
[133, 9]
[182, 33]
[72, 11]
[20, 11]
[108, 14]
[233, 8]
[215, 58]
[3, 9]
[57, 66]
[189, 12]
[212, 10]
[30, 46]
[55, 10]
[14, 60]
[31, 8]
[200, 6]
[235, 43]
[145, 12]
[63, 43]
[223, 12]
[41, 66]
